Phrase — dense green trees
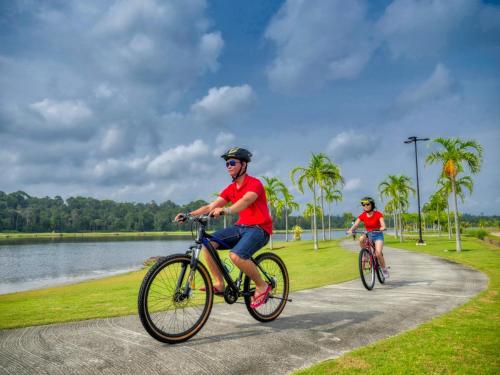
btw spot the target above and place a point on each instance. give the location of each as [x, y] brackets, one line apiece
[23, 213]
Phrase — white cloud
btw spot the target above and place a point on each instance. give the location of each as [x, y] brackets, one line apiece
[440, 84]
[414, 28]
[223, 102]
[351, 145]
[66, 112]
[318, 41]
[179, 158]
[352, 184]
[124, 14]
[223, 141]
[115, 141]
[103, 91]
[210, 47]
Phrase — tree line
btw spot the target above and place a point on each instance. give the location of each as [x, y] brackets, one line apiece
[20, 212]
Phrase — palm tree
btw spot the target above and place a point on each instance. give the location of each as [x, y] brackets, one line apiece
[311, 210]
[445, 189]
[311, 175]
[397, 189]
[331, 195]
[455, 155]
[329, 177]
[286, 205]
[438, 201]
[272, 186]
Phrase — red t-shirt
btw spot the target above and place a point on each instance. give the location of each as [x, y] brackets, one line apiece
[258, 212]
[373, 222]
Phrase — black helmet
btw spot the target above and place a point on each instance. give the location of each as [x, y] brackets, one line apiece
[368, 200]
[237, 153]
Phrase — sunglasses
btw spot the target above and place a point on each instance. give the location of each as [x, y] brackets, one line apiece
[231, 163]
[366, 204]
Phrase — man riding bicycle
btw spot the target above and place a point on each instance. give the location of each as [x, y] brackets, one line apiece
[253, 229]
[374, 224]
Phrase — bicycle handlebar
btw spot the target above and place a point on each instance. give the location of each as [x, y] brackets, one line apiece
[366, 231]
[187, 217]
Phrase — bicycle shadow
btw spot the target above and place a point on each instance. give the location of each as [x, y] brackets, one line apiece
[394, 284]
[327, 322]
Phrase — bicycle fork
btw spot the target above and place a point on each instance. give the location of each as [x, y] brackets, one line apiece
[189, 285]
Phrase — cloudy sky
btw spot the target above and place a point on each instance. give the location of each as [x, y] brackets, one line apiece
[135, 100]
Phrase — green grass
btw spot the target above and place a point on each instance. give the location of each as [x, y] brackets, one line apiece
[16, 235]
[117, 295]
[464, 341]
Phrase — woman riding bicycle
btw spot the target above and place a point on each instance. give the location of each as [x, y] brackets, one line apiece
[374, 224]
[251, 232]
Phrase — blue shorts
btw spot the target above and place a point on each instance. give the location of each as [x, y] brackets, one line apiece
[376, 236]
[243, 240]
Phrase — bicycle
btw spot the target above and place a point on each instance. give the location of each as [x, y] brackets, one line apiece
[368, 263]
[176, 295]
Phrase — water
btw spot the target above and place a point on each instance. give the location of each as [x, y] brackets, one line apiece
[26, 265]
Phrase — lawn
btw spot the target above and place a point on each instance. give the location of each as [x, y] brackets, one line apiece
[117, 295]
[464, 341]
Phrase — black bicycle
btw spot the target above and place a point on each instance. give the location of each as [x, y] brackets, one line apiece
[176, 295]
[368, 263]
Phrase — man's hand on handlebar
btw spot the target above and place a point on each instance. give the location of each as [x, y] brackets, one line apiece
[216, 212]
[181, 217]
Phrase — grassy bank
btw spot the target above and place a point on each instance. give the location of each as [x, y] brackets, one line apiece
[117, 295]
[464, 341]
[13, 236]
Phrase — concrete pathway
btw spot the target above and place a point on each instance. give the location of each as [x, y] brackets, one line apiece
[319, 324]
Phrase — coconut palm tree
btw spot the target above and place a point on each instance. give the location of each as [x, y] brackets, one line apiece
[286, 205]
[329, 177]
[331, 195]
[311, 210]
[461, 183]
[397, 188]
[311, 175]
[272, 186]
[454, 156]
[437, 202]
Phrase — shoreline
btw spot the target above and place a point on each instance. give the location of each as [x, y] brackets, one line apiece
[58, 235]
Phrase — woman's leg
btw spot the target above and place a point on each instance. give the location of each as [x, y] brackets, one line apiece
[379, 245]
[362, 240]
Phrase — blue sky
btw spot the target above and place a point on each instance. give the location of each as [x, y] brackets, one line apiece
[136, 100]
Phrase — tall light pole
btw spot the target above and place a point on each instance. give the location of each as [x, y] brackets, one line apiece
[414, 140]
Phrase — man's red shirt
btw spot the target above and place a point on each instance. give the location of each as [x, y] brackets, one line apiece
[373, 222]
[258, 212]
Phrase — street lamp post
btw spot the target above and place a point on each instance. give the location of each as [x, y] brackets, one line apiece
[414, 140]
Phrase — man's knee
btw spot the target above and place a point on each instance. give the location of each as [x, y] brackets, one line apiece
[235, 258]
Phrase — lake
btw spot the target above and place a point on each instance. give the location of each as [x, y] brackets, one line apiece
[33, 264]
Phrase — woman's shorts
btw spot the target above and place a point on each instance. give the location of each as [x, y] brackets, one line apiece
[243, 240]
[376, 236]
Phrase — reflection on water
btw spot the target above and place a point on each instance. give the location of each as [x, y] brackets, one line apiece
[31, 264]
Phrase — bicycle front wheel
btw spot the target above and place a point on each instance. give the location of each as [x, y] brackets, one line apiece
[174, 300]
[367, 269]
[380, 275]
[274, 272]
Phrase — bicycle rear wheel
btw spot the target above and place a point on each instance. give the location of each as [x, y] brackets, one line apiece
[274, 272]
[169, 311]
[367, 269]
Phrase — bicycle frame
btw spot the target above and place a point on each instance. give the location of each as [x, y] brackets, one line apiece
[205, 239]
[370, 245]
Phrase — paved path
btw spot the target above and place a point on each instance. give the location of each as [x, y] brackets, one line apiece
[321, 323]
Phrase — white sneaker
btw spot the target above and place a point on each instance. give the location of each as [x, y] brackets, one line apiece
[385, 272]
